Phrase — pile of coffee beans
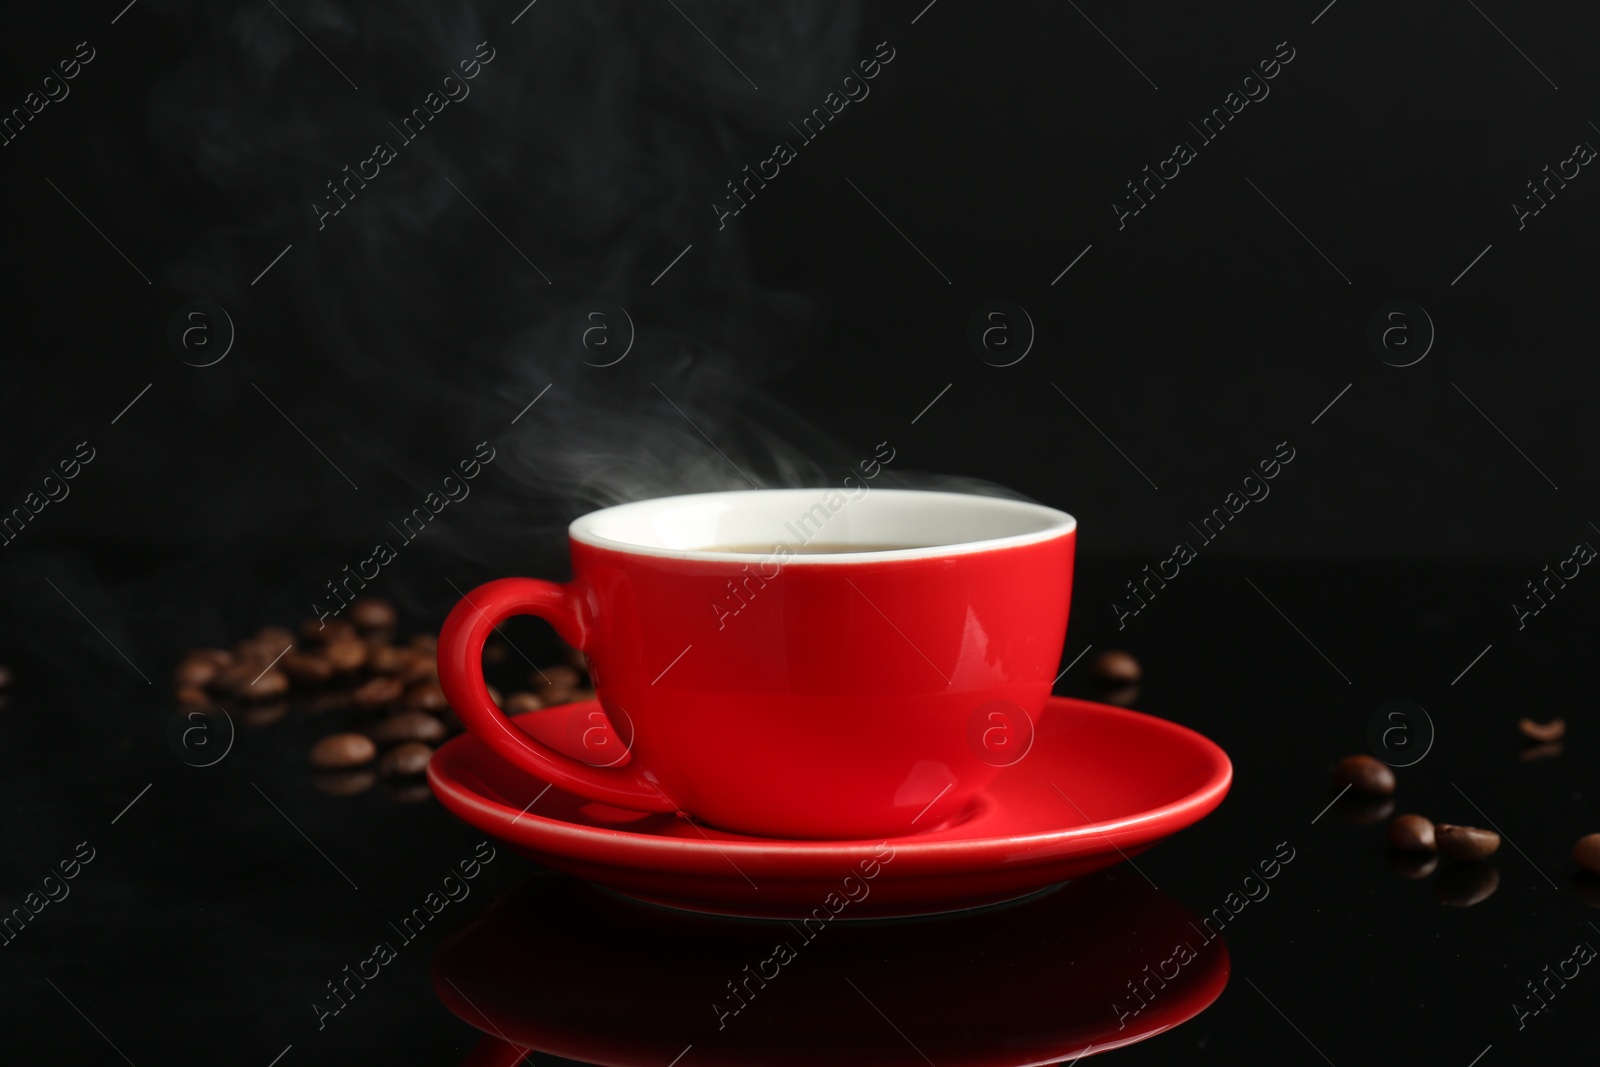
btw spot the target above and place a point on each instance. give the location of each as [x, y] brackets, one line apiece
[380, 696]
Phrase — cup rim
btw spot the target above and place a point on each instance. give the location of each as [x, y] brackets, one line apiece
[1058, 524]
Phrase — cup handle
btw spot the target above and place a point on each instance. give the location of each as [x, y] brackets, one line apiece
[461, 676]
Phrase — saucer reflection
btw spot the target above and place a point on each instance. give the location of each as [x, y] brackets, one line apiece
[560, 967]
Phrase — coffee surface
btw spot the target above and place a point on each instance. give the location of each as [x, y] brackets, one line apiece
[815, 548]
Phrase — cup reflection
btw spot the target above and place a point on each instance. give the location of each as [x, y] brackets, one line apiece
[558, 966]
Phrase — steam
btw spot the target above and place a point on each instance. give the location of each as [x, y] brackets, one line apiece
[451, 289]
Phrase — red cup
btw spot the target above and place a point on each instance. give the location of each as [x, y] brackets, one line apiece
[779, 662]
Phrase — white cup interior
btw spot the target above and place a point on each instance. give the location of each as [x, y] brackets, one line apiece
[855, 524]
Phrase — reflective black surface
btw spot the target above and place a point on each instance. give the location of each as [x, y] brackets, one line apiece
[207, 926]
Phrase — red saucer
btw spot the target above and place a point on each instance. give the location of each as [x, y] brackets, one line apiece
[1099, 784]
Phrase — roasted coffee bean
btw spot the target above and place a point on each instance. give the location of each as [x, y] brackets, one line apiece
[407, 726]
[517, 703]
[1547, 750]
[327, 630]
[425, 642]
[236, 677]
[1461, 885]
[346, 655]
[377, 692]
[343, 750]
[268, 684]
[196, 669]
[410, 757]
[495, 652]
[192, 696]
[7, 678]
[421, 666]
[1364, 774]
[278, 637]
[253, 682]
[372, 613]
[424, 696]
[1586, 853]
[1554, 730]
[495, 697]
[1411, 833]
[1414, 865]
[306, 668]
[1465, 842]
[344, 783]
[1114, 667]
[386, 659]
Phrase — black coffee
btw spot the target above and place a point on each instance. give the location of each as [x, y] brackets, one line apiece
[814, 548]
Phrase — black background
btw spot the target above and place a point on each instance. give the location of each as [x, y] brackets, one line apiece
[1196, 339]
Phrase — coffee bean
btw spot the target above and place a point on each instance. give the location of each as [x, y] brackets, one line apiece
[326, 631]
[344, 783]
[196, 669]
[1586, 853]
[342, 750]
[1411, 833]
[425, 642]
[1365, 775]
[495, 652]
[271, 683]
[1464, 884]
[495, 697]
[1414, 865]
[1554, 730]
[346, 655]
[425, 696]
[1465, 842]
[277, 637]
[372, 613]
[407, 726]
[252, 682]
[517, 703]
[6, 677]
[410, 757]
[386, 659]
[192, 696]
[236, 677]
[377, 692]
[306, 668]
[421, 666]
[1115, 667]
[1547, 750]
